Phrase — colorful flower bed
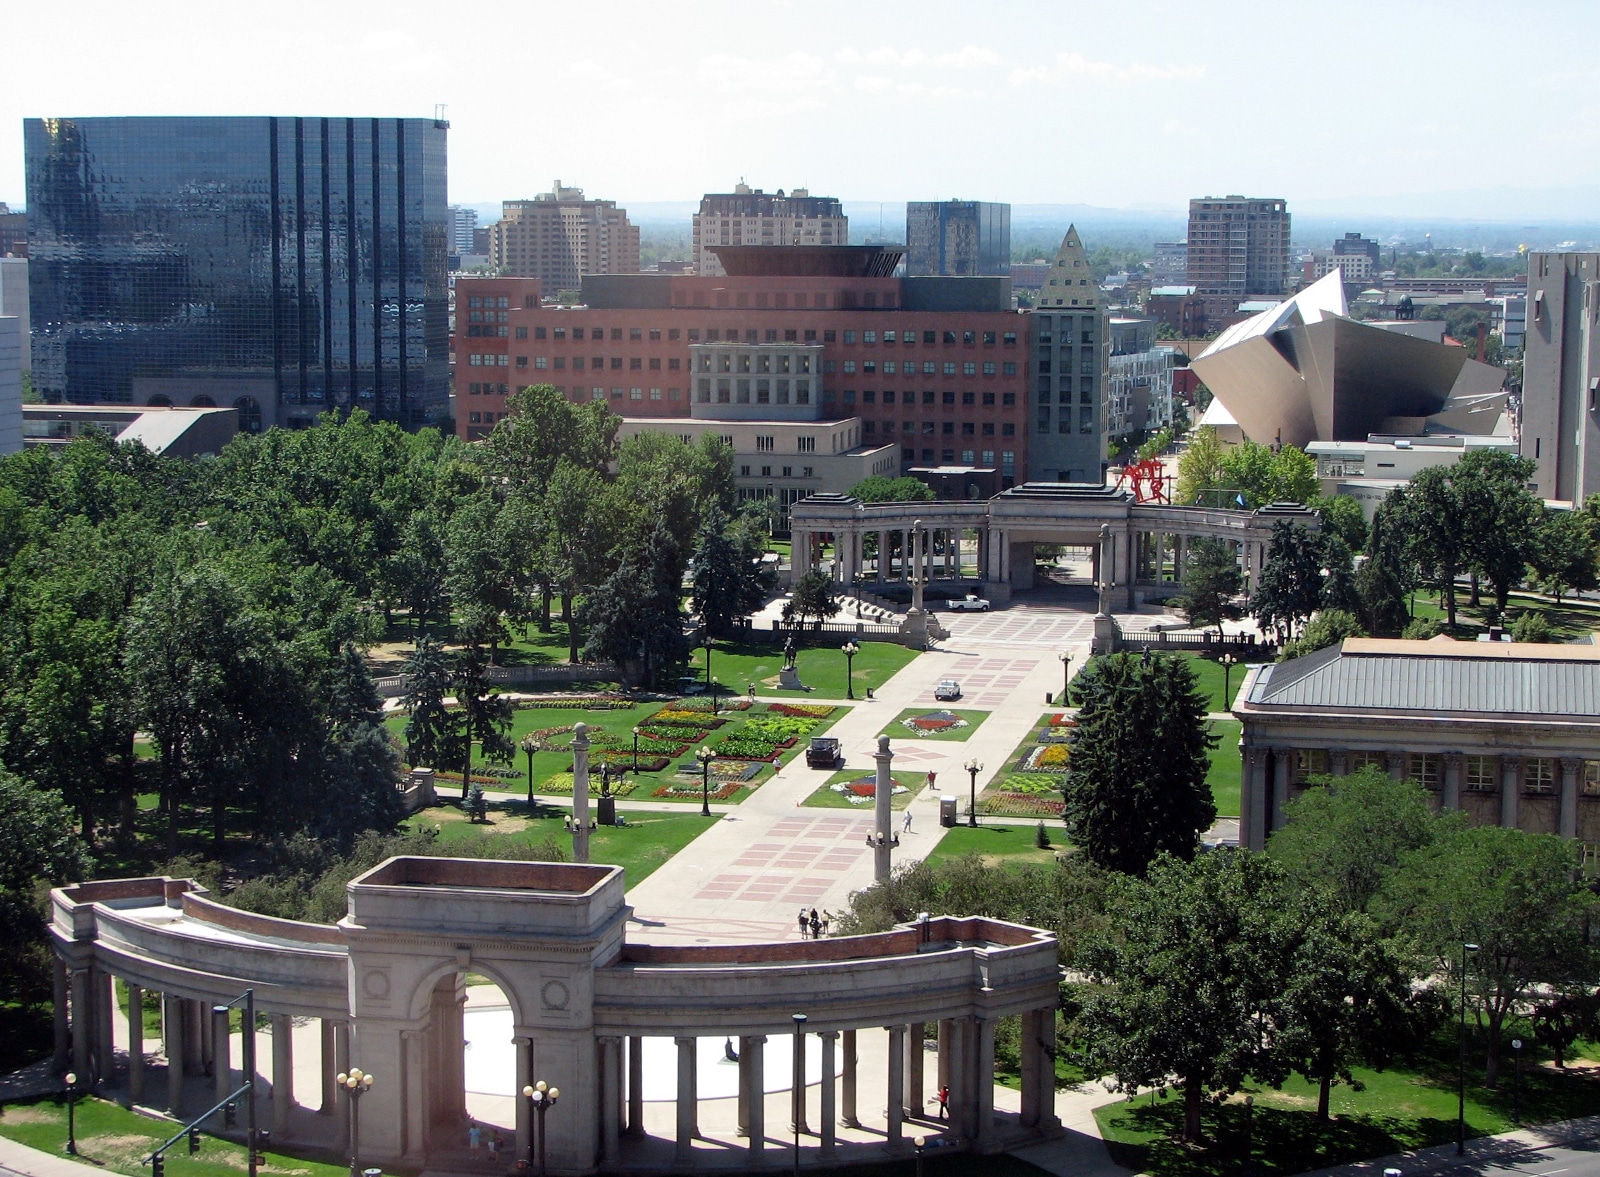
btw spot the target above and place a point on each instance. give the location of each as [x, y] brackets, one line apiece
[1006, 804]
[725, 770]
[561, 783]
[802, 710]
[864, 790]
[1047, 758]
[719, 792]
[1034, 784]
[746, 746]
[676, 716]
[588, 702]
[1061, 719]
[931, 722]
[704, 704]
[780, 727]
[623, 758]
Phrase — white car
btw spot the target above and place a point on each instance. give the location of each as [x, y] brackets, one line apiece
[948, 690]
[971, 603]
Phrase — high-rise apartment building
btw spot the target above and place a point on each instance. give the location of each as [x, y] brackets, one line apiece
[1169, 265]
[463, 224]
[13, 232]
[1352, 244]
[749, 216]
[1067, 360]
[1238, 248]
[558, 237]
[1561, 375]
[958, 237]
[280, 265]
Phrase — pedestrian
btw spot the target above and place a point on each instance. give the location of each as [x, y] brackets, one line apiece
[494, 1144]
[944, 1102]
[816, 925]
[905, 823]
[474, 1136]
[752, 692]
[826, 920]
[932, 776]
[805, 922]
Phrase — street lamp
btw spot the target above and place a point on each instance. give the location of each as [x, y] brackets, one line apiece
[635, 751]
[1246, 1166]
[72, 1099]
[973, 767]
[920, 1143]
[707, 644]
[716, 687]
[1228, 660]
[356, 1084]
[1066, 676]
[530, 746]
[798, 1103]
[850, 651]
[705, 756]
[541, 1098]
[1461, 1044]
[1516, 1087]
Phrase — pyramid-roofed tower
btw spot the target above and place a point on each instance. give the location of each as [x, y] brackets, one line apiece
[1071, 282]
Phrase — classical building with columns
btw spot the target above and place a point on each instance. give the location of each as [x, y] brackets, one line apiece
[388, 986]
[1507, 732]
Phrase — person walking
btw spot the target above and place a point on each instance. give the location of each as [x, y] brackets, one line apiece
[816, 925]
[805, 922]
[474, 1137]
[905, 824]
[944, 1102]
[826, 920]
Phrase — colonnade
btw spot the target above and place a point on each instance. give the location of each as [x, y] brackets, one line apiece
[897, 559]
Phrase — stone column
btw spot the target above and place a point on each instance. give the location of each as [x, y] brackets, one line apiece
[1028, 1114]
[1253, 800]
[827, 1113]
[1510, 790]
[799, 553]
[983, 1081]
[1280, 784]
[1570, 767]
[172, 1024]
[942, 1069]
[580, 792]
[60, 990]
[756, 1047]
[882, 814]
[883, 554]
[328, 1068]
[684, 1152]
[341, 1065]
[635, 1086]
[221, 1054]
[522, 1052]
[914, 1104]
[610, 1099]
[82, 1025]
[105, 1058]
[847, 1113]
[135, 1043]
[742, 1124]
[960, 1102]
[1338, 762]
[282, 1073]
[1454, 762]
[895, 1111]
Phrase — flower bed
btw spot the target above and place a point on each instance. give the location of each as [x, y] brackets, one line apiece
[572, 702]
[1061, 719]
[704, 704]
[561, 783]
[719, 792]
[623, 758]
[779, 727]
[454, 778]
[725, 770]
[681, 717]
[1021, 805]
[864, 790]
[932, 722]
[1033, 784]
[1047, 758]
[802, 710]
[745, 746]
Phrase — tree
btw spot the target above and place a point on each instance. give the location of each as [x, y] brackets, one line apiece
[429, 726]
[1339, 586]
[483, 715]
[728, 577]
[37, 847]
[1564, 1018]
[1200, 466]
[636, 618]
[1211, 581]
[1136, 786]
[1342, 516]
[879, 489]
[1517, 896]
[1500, 516]
[1327, 628]
[1432, 510]
[1344, 835]
[1531, 626]
[812, 597]
[1564, 552]
[1195, 958]
[1386, 576]
[1290, 589]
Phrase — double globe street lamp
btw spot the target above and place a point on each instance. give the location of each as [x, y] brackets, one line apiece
[356, 1084]
[705, 756]
[973, 767]
[541, 1098]
[850, 651]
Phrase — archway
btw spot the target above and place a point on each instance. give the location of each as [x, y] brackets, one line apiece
[202, 402]
[249, 414]
[160, 401]
[488, 1089]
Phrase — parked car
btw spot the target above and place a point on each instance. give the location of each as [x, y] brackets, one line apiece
[823, 752]
[971, 603]
[947, 690]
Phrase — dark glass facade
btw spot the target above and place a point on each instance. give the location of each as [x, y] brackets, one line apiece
[287, 265]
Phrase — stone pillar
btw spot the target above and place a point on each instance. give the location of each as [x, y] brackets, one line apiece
[221, 1054]
[635, 1086]
[828, 1113]
[895, 1110]
[742, 1123]
[1280, 784]
[983, 1082]
[60, 991]
[135, 1043]
[882, 814]
[847, 1113]
[1338, 762]
[883, 554]
[1454, 762]
[799, 553]
[282, 1073]
[105, 1002]
[1570, 767]
[942, 1070]
[341, 1065]
[756, 1047]
[580, 792]
[1253, 799]
[172, 1025]
[1395, 764]
[328, 1067]
[1510, 790]
[684, 1153]
[960, 1101]
[610, 1099]
[82, 1025]
[522, 1051]
[914, 1104]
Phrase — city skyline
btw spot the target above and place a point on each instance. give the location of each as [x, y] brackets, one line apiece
[895, 103]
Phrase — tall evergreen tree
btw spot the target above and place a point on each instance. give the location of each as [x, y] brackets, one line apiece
[727, 574]
[1386, 575]
[635, 619]
[1211, 581]
[1291, 580]
[428, 724]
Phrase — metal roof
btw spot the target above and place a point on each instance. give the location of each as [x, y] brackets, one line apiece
[1432, 677]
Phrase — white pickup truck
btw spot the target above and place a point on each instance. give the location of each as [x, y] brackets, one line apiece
[971, 603]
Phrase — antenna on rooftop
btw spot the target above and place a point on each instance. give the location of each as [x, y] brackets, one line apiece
[438, 115]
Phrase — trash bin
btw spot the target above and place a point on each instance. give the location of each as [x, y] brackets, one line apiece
[608, 811]
[947, 810]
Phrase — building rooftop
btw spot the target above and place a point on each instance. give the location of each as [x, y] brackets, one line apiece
[808, 261]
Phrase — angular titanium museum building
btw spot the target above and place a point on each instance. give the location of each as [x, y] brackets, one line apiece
[1305, 371]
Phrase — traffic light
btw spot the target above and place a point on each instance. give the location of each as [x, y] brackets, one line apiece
[194, 1141]
[158, 1165]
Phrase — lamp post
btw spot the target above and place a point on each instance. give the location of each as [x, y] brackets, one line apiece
[1516, 1082]
[705, 756]
[1461, 1070]
[1066, 676]
[850, 651]
[635, 751]
[798, 1102]
[1246, 1166]
[1228, 660]
[716, 687]
[72, 1099]
[973, 767]
[529, 746]
[920, 1143]
[541, 1098]
[707, 644]
[356, 1084]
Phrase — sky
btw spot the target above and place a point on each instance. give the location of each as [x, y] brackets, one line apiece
[1372, 106]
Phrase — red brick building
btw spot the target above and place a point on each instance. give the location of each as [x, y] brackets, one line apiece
[936, 366]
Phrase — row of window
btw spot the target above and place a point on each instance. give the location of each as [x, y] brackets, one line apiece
[1008, 458]
[765, 392]
[755, 362]
[766, 472]
[769, 335]
[1479, 774]
[948, 428]
[928, 368]
[1085, 367]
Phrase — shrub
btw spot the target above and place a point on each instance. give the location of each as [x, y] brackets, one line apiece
[1423, 628]
[1531, 627]
[1327, 628]
[1041, 837]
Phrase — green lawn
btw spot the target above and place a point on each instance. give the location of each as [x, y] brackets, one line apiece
[738, 664]
[898, 728]
[112, 1138]
[1008, 845]
[1225, 767]
[826, 798]
[1399, 1109]
[1018, 792]
[1211, 675]
[1568, 621]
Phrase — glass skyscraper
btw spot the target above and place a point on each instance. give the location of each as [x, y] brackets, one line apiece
[285, 265]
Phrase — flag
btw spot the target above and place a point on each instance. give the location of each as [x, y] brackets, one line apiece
[1239, 498]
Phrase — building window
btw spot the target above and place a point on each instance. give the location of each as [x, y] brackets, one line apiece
[764, 445]
[1478, 774]
[1591, 778]
[806, 444]
[522, 333]
[1425, 769]
[1539, 775]
[744, 472]
[522, 361]
[805, 472]
[1008, 398]
[655, 394]
[1309, 762]
[1008, 430]
[988, 458]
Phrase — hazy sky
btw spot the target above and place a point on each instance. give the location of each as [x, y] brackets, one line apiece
[1113, 104]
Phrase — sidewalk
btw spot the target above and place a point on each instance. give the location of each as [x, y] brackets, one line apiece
[1508, 1148]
